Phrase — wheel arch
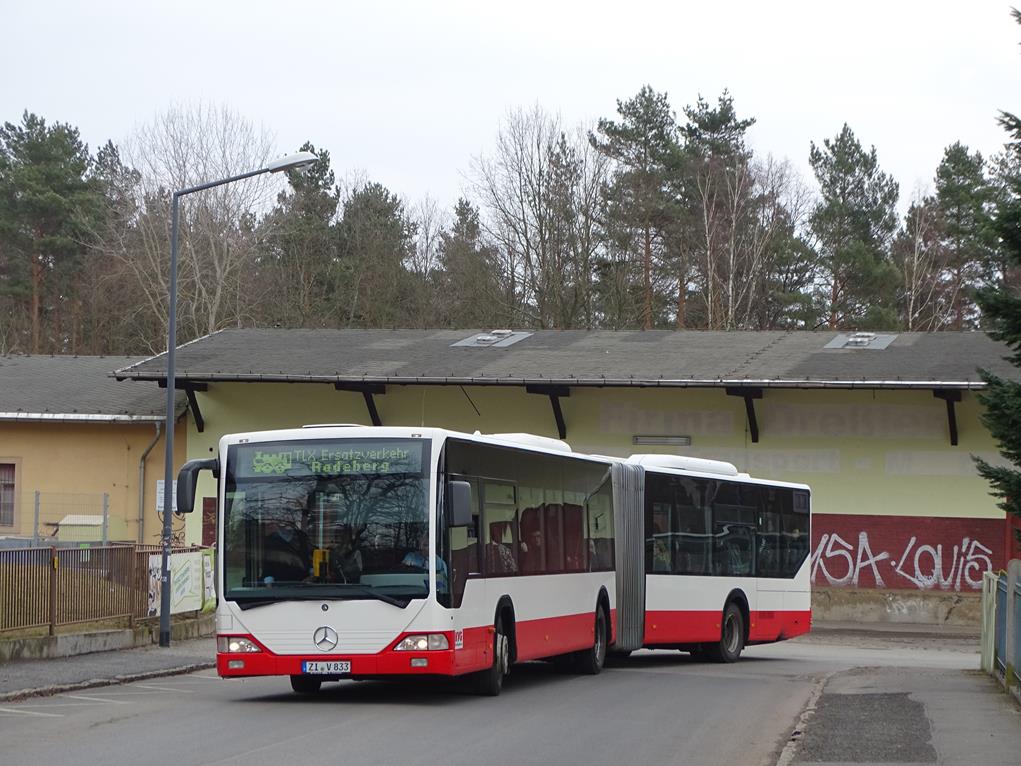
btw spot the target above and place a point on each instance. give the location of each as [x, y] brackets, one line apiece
[505, 609]
[738, 596]
[603, 600]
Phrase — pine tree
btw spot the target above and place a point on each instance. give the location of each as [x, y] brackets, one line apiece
[1001, 308]
[964, 196]
[643, 144]
[467, 284]
[854, 223]
[375, 237]
[300, 247]
[45, 192]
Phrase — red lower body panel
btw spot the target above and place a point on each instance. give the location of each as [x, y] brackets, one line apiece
[534, 638]
[676, 627]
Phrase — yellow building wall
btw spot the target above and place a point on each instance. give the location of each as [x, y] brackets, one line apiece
[863, 452]
[72, 465]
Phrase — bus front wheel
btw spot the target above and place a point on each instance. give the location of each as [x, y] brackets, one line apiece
[731, 642]
[305, 684]
[489, 682]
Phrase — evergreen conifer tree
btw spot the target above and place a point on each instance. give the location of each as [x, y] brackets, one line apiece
[1001, 308]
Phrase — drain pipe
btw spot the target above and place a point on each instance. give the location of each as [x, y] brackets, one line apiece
[141, 484]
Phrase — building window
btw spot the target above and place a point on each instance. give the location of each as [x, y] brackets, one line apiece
[6, 494]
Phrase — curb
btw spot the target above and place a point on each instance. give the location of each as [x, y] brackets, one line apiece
[790, 748]
[47, 691]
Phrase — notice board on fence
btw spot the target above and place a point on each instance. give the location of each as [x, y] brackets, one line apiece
[189, 582]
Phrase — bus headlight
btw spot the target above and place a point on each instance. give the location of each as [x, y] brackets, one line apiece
[423, 642]
[235, 645]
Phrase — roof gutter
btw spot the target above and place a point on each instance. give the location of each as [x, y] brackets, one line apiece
[78, 417]
[579, 382]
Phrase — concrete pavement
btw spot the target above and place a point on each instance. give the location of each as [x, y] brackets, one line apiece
[883, 694]
[24, 678]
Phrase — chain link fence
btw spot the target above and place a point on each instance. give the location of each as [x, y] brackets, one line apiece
[69, 519]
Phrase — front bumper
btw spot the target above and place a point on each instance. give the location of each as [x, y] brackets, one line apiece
[445, 662]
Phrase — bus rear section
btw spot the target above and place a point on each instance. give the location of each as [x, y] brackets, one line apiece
[726, 558]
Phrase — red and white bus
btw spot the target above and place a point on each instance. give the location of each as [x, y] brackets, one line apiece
[355, 552]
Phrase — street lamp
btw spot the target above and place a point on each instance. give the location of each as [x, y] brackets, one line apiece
[289, 162]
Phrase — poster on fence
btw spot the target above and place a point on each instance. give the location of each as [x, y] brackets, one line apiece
[208, 582]
[187, 582]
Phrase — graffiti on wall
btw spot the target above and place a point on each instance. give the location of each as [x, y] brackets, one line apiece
[839, 562]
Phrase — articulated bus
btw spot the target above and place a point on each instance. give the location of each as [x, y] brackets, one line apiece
[364, 552]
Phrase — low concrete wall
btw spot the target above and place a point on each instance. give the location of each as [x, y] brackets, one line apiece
[70, 644]
[904, 606]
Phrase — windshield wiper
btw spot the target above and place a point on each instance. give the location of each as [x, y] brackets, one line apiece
[401, 603]
[252, 603]
[245, 602]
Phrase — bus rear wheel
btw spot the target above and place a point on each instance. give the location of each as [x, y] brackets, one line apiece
[489, 682]
[305, 684]
[590, 661]
[731, 642]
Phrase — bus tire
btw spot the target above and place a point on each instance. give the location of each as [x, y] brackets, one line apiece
[731, 642]
[489, 682]
[590, 661]
[305, 684]
[616, 657]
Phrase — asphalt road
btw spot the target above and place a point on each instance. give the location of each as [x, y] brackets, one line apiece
[655, 708]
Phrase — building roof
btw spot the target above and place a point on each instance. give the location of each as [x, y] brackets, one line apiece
[585, 358]
[76, 389]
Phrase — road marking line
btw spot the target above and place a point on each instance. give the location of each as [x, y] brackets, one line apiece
[165, 689]
[94, 699]
[30, 712]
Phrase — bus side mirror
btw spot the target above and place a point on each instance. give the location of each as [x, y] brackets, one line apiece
[186, 479]
[459, 503]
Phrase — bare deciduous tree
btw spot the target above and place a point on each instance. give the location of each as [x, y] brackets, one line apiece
[540, 190]
[183, 147]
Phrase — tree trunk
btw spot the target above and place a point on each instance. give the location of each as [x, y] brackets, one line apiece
[37, 283]
[834, 293]
[682, 293]
[647, 308]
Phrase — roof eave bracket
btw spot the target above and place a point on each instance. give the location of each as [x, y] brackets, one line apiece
[951, 396]
[368, 392]
[554, 393]
[749, 394]
[189, 389]
[196, 413]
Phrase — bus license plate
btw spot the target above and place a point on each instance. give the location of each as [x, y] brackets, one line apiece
[330, 668]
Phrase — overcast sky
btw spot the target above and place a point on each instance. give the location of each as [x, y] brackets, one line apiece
[409, 92]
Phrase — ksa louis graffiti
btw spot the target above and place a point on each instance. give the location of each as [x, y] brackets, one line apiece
[905, 552]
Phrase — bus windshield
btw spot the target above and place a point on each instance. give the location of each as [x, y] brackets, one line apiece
[317, 519]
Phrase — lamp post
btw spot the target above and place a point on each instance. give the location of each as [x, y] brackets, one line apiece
[289, 162]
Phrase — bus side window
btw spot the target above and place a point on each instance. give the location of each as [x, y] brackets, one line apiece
[600, 529]
[554, 535]
[795, 533]
[691, 539]
[575, 559]
[499, 528]
[772, 547]
[530, 521]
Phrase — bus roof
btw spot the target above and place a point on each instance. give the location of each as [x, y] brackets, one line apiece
[659, 463]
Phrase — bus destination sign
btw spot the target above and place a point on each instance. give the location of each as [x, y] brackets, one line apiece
[330, 458]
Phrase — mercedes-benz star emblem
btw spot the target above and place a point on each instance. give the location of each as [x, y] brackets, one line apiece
[325, 638]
